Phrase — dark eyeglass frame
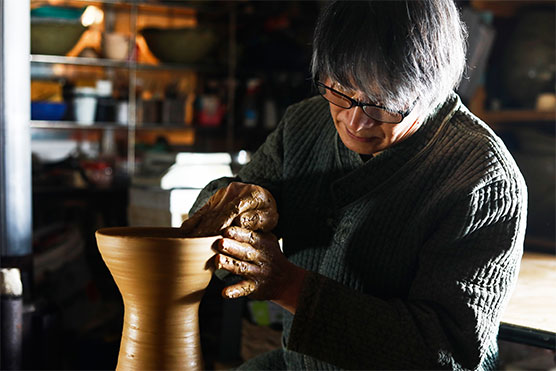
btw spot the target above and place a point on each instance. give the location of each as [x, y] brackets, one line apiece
[355, 103]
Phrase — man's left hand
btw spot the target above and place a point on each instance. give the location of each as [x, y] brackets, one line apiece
[267, 273]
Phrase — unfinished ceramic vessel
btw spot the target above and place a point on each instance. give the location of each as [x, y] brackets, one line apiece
[162, 277]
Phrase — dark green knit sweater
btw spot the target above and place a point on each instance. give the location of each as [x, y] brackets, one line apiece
[413, 254]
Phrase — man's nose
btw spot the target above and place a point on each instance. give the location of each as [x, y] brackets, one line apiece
[358, 120]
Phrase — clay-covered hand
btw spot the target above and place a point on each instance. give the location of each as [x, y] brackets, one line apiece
[256, 256]
[245, 205]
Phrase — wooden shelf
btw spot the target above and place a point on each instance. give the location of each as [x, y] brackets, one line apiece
[532, 305]
[516, 116]
[506, 8]
[501, 117]
[539, 243]
[165, 128]
[183, 136]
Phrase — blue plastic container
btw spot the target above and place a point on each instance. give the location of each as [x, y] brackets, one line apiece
[51, 111]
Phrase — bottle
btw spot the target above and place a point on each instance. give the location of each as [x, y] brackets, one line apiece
[270, 110]
[122, 108]
[211, 110]
[173, 106]
[251, 106]
[84, 104]
[106, 105]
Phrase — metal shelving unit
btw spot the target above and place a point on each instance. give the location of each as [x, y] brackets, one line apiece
[135, 8]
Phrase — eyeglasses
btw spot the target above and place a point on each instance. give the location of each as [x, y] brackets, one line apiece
[374, 111]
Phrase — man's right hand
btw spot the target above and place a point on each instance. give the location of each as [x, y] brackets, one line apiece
[239, 204]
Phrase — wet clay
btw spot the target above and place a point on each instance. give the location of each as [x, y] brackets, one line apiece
[162, 277]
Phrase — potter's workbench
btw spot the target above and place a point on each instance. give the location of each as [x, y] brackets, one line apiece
[530, 317]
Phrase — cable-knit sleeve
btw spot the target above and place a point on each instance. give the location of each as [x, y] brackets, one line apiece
[466, 271]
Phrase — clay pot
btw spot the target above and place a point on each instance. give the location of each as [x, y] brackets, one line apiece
[162, 277]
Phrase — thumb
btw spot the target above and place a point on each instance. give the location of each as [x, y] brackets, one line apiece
[240, 289]
[189, 225]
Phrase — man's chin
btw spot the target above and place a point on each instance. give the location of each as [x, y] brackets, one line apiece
[367, 148]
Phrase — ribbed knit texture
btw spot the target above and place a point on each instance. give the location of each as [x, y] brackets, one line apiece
[413, 254]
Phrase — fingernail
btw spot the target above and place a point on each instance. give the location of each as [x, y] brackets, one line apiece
[230, 232]
[234, 294]
[225, 246]
[218, 262]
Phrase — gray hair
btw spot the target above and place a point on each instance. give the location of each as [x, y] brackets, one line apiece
[396, 52]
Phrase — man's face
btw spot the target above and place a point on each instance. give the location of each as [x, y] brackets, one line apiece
[364, 135]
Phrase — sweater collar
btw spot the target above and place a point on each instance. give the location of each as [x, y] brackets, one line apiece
[361, 178]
